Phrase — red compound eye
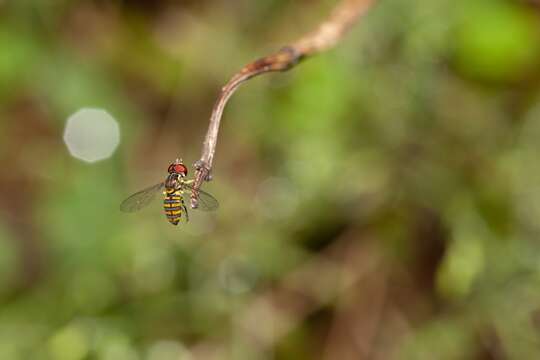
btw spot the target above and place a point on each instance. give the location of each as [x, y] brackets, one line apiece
[177, 169]
[180, 169]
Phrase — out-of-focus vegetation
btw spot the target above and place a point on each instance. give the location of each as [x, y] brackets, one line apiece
[379, 201]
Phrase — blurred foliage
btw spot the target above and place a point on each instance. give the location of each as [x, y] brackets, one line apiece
[379, 201]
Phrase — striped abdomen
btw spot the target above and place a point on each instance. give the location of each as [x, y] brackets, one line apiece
[173, 205]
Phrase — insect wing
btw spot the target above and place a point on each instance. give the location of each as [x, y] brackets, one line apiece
[140, 199]
[206, 201]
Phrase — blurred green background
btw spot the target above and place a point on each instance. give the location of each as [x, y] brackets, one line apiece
[379, 201]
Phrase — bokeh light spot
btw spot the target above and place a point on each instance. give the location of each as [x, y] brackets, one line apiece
[91, 135]
[168, 350]
[70, 343]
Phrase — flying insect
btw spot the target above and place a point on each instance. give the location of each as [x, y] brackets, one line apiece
[174, 189]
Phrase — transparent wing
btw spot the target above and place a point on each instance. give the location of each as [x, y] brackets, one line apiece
[140, 199]
[206, 201]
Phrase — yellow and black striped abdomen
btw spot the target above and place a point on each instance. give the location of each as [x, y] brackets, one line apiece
[174, 206]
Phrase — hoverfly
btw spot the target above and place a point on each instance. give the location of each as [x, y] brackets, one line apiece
[175, 186]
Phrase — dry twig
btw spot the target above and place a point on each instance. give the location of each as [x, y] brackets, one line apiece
[324, 37]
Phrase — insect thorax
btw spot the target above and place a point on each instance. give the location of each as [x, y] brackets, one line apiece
[173, 183]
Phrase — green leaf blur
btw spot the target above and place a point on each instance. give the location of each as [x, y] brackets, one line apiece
[379, 201]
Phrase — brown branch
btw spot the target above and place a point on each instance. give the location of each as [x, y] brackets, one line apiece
[324, 37]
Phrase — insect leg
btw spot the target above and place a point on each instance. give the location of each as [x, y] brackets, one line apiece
[182, 194]
[185, 211]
